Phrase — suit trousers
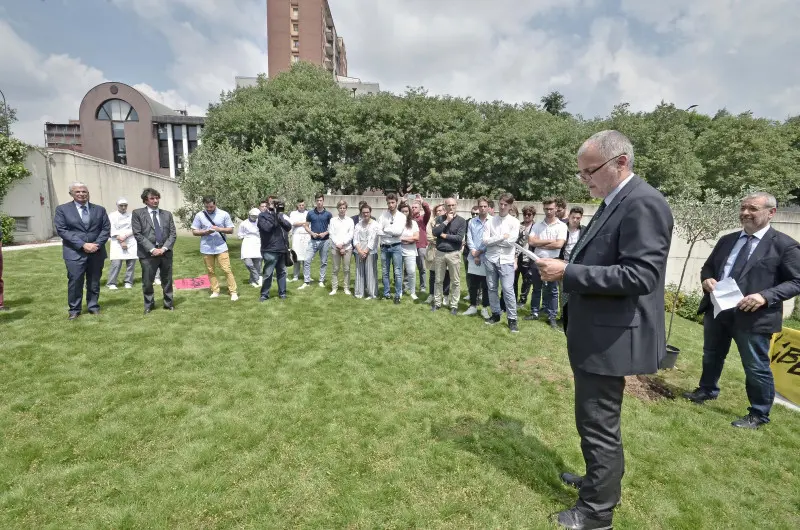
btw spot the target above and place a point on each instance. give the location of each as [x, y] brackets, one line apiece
[88, 270]
[598, 406]
[163, 266]
[224, 261]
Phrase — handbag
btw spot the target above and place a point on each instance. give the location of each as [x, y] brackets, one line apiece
[291, 257]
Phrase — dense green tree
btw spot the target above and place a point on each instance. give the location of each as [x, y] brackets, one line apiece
[555, 103]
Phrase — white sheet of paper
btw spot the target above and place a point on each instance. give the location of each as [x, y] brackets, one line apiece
[726, 295]
[527, 252]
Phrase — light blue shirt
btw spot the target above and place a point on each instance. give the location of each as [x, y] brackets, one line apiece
[212, 243]
[738, 247]
[615, 191]
[475, 234]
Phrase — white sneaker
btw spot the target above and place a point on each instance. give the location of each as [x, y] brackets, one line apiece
[446, 301]
[112, 287]
[254, 284]
[321, 284]
[485, 312]
[333, 292]
[129, 286]
[359, 296]
[157, 281]
[472, 310]
[291, 280]
[466, 298]
[414, 297]
[347, 292]
[234, 297]
[303, 286]
[214, 295]
[429, 300]
[260, 280]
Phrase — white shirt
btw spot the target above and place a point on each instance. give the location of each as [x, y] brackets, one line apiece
[551, 232]
[391, 226]
[341, 231]
[500, 250]
[251, 246]
[410, 249]
[367, 236]
[615, 191]
[298, 217]
[572, 240]
[121, 226]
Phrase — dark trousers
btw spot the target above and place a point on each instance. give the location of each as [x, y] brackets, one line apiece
[446, 283]
[754, 351]
[598, 405]
[88, 270]
[475, 282]
[524, 272]
[274, 265]
[545, 295]
[150, 265]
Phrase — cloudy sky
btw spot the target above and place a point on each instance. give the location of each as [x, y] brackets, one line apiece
[714, 53]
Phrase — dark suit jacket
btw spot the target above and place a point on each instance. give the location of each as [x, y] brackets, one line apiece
[145, 233]
[773, 271]
[616, 286]
[74, 234]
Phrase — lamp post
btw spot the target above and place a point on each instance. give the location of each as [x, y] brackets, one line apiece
[5, 113]
[690, 107]
[354, 92]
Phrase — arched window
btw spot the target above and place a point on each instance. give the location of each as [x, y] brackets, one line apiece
[117, 110]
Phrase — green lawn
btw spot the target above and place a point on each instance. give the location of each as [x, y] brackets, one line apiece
[329, 412]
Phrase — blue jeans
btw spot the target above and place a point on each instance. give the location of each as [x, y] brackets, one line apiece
[392, 256]
[754, 351]
[322, 246]
[274, 261]
[545, 295]
[504, 274]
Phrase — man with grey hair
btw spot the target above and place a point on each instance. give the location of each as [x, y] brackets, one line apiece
[84, 229]
[765, 264]
[614, 317]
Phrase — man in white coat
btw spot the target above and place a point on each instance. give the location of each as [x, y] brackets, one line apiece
[123, 245]
[251, 246]
[300, 238]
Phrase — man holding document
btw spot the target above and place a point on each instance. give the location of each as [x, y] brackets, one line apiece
[747, 277]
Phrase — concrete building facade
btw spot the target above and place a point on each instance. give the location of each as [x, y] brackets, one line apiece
[303, 30]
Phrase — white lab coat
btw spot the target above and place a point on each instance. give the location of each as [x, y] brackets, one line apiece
[121, 226]
[300, 236]
[251, 239]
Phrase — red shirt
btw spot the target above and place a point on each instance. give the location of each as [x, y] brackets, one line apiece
[422, 221]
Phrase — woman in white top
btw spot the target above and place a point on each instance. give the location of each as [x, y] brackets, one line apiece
[251, 246]
[365, 241]
[301, 239]
[408, 240]
[123, 245]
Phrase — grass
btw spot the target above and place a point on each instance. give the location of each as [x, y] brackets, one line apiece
[331, 412]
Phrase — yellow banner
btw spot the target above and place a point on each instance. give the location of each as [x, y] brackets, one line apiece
[785, 363]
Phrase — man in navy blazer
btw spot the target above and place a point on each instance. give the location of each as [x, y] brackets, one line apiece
[84, 229]
[766, 266]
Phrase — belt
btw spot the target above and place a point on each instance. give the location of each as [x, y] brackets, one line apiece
[390, 245]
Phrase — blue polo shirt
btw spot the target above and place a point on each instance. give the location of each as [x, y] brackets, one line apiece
[319, 221]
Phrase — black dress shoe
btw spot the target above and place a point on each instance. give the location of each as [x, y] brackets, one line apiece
[169, 308]
[750, 422]
[397, 301]
[576, 520]
[94, 311]
[531, 317]
[492, 320]
[74, 315]
[571, 480]
[699, 396]
[553, 324]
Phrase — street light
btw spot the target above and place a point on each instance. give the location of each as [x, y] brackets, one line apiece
[354, 92]
[690, 107]
[5, 113]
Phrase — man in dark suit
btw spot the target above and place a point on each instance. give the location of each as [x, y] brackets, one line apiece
[84, 229]
[615, 283]
[766, 265]
[154, 230]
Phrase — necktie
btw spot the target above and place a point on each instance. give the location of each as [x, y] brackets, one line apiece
[741, 258]
[157, 228]
[85, 216]
[579, 244]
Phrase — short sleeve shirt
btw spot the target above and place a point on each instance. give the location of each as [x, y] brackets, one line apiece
[213, 243]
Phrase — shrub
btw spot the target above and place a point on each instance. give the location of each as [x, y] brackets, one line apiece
[688, 302]
[8, 224]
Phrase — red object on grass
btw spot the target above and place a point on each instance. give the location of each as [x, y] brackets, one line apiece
[193, 283]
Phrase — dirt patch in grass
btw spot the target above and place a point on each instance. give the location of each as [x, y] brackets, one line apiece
[647, 388]
[532, 367]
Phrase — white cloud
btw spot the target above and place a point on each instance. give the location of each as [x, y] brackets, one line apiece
[41, 87]
[171, 99]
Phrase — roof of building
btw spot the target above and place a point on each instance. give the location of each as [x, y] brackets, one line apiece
[156, 108]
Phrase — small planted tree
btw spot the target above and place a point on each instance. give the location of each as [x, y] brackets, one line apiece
[700, 220]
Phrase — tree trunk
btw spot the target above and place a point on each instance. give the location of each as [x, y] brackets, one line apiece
[680, 284]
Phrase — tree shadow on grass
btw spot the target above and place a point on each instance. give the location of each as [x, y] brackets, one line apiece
[501, 442]
[13, 314]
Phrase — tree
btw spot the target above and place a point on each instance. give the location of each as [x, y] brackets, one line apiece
[240, 179]
[700, 220]
[12, 163]
[555, 103]
[8, 115]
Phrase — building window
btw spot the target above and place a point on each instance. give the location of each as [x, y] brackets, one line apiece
[118, 141]
[295, 59]
[177, 148]
[23, 224]
[163, 147]
[295, 12]
[117, 110]
[296, 28]
[192, 131]
[295, 44]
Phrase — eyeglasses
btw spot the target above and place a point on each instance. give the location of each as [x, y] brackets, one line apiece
[587, 175]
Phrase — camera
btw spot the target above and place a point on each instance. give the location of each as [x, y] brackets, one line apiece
[279, 206]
